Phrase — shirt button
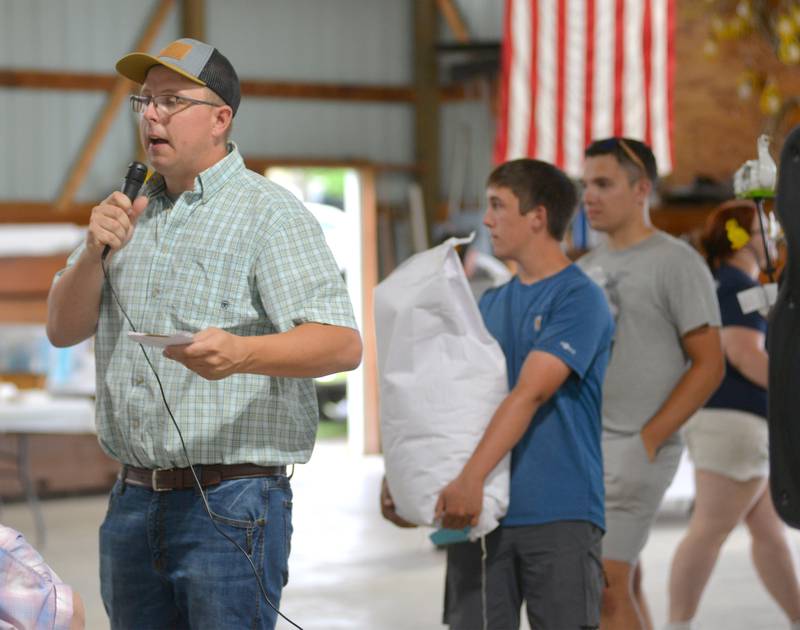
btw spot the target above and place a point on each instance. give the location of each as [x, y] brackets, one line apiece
[135, 424]
[139, 381]
[155, 292]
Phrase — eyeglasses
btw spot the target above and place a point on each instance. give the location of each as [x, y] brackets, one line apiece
[166, 104]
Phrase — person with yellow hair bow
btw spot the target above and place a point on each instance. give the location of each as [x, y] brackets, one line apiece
[728, 438]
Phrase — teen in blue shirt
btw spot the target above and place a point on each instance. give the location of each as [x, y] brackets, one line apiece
[555, 329]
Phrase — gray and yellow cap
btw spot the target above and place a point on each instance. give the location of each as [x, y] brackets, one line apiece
[190, 58]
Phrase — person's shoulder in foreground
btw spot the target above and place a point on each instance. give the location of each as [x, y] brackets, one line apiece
[31, 593]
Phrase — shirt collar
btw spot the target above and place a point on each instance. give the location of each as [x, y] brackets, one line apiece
[207, 183]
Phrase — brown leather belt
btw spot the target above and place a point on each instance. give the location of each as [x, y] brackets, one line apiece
[181, 478]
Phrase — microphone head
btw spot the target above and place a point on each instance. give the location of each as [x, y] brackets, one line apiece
[134, 178]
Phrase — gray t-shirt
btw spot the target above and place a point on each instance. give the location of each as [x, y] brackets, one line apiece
[658, 290]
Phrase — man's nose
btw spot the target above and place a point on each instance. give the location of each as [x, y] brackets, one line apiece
[150, 112]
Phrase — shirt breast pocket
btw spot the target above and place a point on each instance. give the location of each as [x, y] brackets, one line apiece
[535, 327]
[211, 289]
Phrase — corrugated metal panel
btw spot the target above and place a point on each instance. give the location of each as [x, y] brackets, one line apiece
[44, 133]
[358, 41]
[47, 128]
[81, 35]
[377, 132]
[466, 150]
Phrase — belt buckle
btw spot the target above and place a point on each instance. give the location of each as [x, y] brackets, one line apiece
[154, 481]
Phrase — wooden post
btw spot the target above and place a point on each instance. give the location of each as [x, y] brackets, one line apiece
[369, 280]
[119, 93]
[193, 19]
[426, 104]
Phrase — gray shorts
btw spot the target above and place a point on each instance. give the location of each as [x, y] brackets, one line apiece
[635, 487]
[554, 568]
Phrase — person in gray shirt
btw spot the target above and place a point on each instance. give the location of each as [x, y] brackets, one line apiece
[666, 358]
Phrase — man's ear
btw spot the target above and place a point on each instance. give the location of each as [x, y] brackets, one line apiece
[223, 117]
[643, 187]
[537, 218]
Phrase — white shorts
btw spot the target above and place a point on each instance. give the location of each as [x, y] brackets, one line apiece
[729, 442]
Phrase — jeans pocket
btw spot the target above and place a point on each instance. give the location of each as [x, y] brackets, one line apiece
[239, 504]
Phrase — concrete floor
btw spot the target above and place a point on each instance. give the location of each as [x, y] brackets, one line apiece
[350, 569]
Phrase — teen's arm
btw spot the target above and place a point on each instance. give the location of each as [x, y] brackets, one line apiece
[542, 374]
[704, 349]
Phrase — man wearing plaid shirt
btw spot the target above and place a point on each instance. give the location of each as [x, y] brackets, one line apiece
[216, 250]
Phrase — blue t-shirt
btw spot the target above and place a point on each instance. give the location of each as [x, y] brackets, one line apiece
[737, 391]
[557, 466]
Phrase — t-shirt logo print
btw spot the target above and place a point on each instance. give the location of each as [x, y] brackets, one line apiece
[609, 282]
[537, 323]
[566, 346]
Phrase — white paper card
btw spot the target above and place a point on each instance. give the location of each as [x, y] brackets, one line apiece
[161, 341]
[759, 298]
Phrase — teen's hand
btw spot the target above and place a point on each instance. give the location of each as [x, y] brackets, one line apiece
[460, 503]
[388, 508]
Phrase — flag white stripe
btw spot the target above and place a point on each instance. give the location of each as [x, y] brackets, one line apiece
[575, 94]
[519, 89]
[633, 101]
[658, 91]
[603, 102]
[546, 104]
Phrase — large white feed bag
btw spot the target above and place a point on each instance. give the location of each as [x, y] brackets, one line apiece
[442, 376]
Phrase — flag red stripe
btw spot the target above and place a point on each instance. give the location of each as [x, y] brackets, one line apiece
[619, 65]
[561, 72]
[532, 147]
[501, 137]
[647, 65]
[589, 85]
[670, 74]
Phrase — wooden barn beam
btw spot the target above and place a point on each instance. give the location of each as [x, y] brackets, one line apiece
[89, 82]
[455, 21]
[426, 104]
[193, 19]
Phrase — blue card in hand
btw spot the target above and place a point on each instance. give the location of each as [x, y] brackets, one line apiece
[449, 536]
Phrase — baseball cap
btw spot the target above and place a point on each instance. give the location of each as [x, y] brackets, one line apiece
[193, 59]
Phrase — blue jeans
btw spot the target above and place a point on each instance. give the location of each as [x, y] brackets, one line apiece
[163, 565]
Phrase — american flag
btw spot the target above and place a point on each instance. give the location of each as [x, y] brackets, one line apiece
[579, 70]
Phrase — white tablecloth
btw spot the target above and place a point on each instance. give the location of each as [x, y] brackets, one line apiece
[38, 412]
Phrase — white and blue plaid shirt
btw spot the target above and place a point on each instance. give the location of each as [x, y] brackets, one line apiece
[239, 253]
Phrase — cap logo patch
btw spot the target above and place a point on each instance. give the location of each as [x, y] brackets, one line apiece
[176, 50]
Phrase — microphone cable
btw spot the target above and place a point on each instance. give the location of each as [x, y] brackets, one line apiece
[211, 514]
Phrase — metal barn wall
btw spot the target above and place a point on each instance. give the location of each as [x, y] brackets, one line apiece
[353, 41]
[325, 41]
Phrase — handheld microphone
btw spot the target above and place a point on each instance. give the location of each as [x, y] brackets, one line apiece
[131, 184]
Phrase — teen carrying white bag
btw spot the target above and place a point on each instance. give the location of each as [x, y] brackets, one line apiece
[442, 376]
